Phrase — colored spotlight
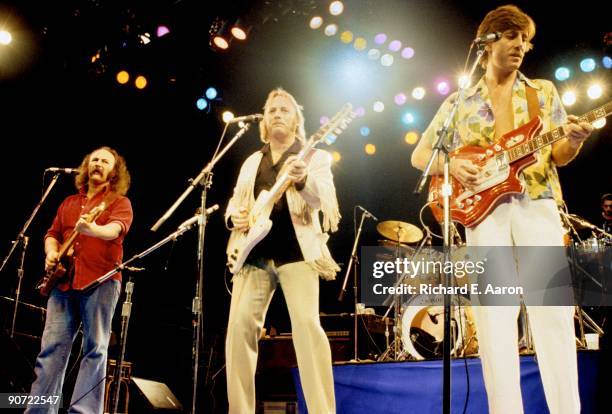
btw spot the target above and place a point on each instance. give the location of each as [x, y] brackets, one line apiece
[336, 156]
[331, 29]
[400, 98]
[336, 8]
[359, 111]
[140, 82]
[211, 93]
[370, 149]
[411, 137]
[240, 30]
[595, 91]
[373, 54]
[201, 104]
[220, 42]
[607, 62]
[316, 22]
[395, 46]
[346, 36]
[227, 116]
[360, 44]
[408, 118]
[407, 52]
[600, 123]
[378, 106]
[386, 60]
[5, 37]
[380, 38]
[162, 30]
[562, 73]
[568, 98]
[443, 88]
[587, 65]
[123, 77]
[418, 93]
[364, 131]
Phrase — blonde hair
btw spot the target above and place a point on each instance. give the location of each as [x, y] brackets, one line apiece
[300, 133]
[119, 177]
[508, 17]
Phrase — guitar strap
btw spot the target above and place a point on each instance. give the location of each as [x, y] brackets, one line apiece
[533, 105]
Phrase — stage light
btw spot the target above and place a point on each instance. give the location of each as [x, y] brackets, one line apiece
[316, 22]
[336, 8]
[360, 111]
[407, 52]
[373, 54]
[378, 106]
[211, 93]
[240, 29]
[5, 37]
[145, 38]
[595, 91]
[123, 77]
[463, 81]
[364, 131]
[336, 156]
[395, 46]
[587, 65]
[201, 104]
[140, 82]
[380, 38]
[443, 88]
[331, 29]
[599, 123]
[411, 137]
[607, 62]
[418, 93]
[227, 116]
[360, 44]
[323, 120]
[219, 32]
[562, 73]
[400, 98]
[346, 36]
[386, 60]
[162, 30]
[568, 98]
[408, 118]
[370, 149]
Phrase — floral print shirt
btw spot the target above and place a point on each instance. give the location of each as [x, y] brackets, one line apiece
[474, 124]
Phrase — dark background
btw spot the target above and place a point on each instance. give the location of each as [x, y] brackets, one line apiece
[56, 105]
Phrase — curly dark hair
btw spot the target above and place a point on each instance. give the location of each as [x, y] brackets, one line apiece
[119, 177]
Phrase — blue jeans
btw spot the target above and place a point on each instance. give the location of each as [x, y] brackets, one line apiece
[65, 312]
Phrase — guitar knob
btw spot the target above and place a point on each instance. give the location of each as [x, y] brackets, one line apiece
[235, 251]
[489, 152]
[497, 147]
[477, 197]
[230, 265]
[461, 205]
[469, 201]
[233, 257]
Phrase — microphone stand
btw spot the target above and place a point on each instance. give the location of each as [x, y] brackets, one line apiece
[204, 178]
[354, 261]
[22, 240]
[441, 147]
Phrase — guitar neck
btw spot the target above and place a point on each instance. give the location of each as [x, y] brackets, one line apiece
[282, 183]
[554, 135]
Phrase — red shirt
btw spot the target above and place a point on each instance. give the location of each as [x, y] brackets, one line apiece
[93, 257]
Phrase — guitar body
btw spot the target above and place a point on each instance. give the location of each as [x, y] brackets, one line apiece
[260, 225]
[52, 277]
[501, 177]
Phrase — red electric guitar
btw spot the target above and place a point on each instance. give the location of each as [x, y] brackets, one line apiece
[501, 165]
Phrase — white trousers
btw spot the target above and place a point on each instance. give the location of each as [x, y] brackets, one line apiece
[251, 295]
[521, 221]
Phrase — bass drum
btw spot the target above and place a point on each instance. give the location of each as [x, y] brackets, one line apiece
[423, 327]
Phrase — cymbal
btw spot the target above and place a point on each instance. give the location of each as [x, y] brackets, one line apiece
[399, 231]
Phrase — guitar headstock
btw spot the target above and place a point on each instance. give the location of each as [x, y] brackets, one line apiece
[329, 131]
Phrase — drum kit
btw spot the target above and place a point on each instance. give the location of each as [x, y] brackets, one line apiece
[418, 323]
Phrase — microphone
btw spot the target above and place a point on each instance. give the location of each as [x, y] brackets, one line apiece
[189, 222]
[247, 118]
[63, 170]
[367, 213]
[488, 38]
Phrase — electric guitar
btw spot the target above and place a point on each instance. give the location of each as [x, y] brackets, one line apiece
[259, 217]
[54, 274]
[501, 165]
